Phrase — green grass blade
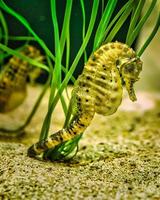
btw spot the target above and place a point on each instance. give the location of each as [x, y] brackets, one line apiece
[65, 35]
[135, 16]
[5, 28]
[68, 116]
[46, 122]
[66, 23]
[57, 69]
[53, 88]
[118, 24]
[104, 22]
[151, 36]
[6, 55]
[18, 54]
[64, 105]
[118, 15]
[67, 51]
[84, 26]
[137, 29]
[20, 38]
[68, 58]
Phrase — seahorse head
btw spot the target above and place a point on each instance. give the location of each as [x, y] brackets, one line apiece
[130, 70]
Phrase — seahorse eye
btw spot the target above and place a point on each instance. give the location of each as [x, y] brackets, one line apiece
[117, 62]
[130, 68]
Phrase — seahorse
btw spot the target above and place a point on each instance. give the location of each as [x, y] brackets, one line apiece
[97, 90]
[13, 79]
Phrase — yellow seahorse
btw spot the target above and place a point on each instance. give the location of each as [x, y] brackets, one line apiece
[13, 79]
[97, 90]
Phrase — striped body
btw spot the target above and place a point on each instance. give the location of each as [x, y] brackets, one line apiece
[13, 79]
[97, 90]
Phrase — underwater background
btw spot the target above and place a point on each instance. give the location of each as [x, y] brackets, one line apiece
[118, 157]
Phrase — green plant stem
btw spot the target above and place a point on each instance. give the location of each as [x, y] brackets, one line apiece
[67, 51]
[119, 24]
[20, 38]
[5, 28]
[57, 69]
[65, 36]
[69, 114]
[119, 16]
[139, 26]
[151, 36]
[104, 22]
[46, 121]
[58, 53]
[67, 58]
[135, 16]
[66, 23]
[84, 27]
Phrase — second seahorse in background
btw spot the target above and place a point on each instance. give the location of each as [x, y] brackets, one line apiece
[97, 90]
[13, 79]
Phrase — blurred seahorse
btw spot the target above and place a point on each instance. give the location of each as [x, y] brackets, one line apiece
[97, 90]
[13, 79]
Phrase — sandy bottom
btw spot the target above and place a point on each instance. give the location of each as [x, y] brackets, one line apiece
[118, 158]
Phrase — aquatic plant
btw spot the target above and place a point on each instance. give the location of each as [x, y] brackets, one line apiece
[106, 31]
